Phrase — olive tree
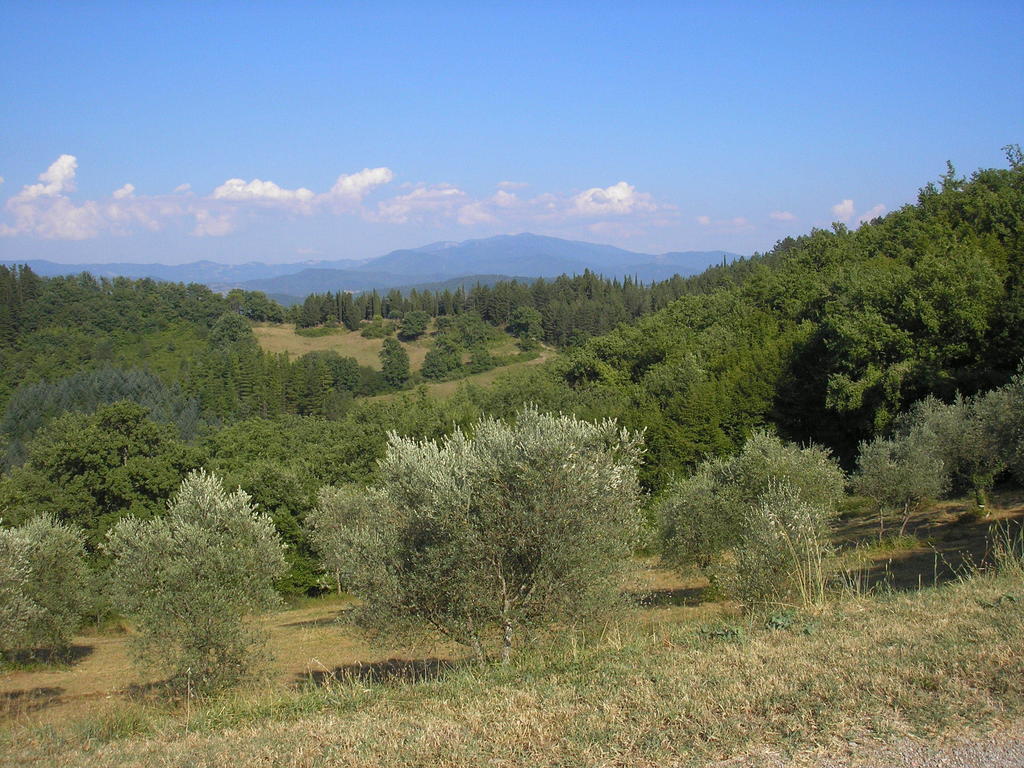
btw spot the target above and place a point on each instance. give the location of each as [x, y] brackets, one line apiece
[899, 474]
[488, 537]
[963, 435]
[1001, 416]
[17, 609]
[60, 583]
[755, 523]
[45, 584]
[781, 550]
[703, 515]
[193, 580]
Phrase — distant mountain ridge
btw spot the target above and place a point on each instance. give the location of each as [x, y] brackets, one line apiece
[524, 254]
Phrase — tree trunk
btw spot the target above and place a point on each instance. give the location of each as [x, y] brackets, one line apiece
[506, 645]
[908, 510]
[981, 500]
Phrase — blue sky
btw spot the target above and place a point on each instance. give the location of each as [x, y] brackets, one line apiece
[295, 131]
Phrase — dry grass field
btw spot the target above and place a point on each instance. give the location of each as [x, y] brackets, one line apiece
[677, 679]
[279, 338]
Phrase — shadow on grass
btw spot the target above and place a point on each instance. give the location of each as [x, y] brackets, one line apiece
[13, 703]
[949, 549]
[386, 671]
[662, 598]
[49, 656]
[323, 621]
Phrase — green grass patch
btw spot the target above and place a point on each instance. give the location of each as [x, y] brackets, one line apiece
[320, 331]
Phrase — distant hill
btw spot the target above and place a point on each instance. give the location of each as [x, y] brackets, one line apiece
[527, 255]
[524, 254]
[206, 272]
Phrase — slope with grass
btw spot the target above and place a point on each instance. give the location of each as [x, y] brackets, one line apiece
[673, 680]
[282, 337]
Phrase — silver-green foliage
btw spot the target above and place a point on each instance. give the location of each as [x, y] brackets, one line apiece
[1001, 411]
[900, 473]
[781, 552]
[489, 537]
[962, 435]
[17, 609]
[705, 516]
[193, 580]
[61, 582]
[45, 584]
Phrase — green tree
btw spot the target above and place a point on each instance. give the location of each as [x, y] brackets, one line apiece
[483, 538]
[394, 362]
[192, 582]
[60, 582]
[91, 470]
[442, 359]
[229, 330]
[414, 325]
[731, 508]
[17, 609]
[526, 323]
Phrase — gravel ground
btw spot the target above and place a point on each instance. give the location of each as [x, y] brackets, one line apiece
[1002, 749]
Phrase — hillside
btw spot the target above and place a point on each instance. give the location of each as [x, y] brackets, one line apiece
[678, 678]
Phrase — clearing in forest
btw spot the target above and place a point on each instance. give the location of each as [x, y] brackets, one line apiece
[281, 337]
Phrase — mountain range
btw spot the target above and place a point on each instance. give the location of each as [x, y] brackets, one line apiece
[524, 255]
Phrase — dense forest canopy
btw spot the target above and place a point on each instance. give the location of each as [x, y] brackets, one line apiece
[826, 338]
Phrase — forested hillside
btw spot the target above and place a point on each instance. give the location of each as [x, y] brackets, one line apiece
[827, 338]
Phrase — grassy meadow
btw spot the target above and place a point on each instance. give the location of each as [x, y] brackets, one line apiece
[921, 638]
[281, 337]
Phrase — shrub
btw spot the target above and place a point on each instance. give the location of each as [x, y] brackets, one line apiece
[378, 329]
[705, 515]
[489, 537]
[191, 580]
[17, 609]
[899, 474]
[60, 583]
[781, 551]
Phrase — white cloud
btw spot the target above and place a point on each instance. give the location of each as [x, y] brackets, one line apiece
[424, 202]
[261, 191]
[504, 199]
[210, 224]
[42, 209]
[46, 210]
[1, 179]
[781, 216]
[355, 186]
[58, 178]
[476, 213]
[874, 213]
[843, 211]
[621, 198]
[724, 225]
